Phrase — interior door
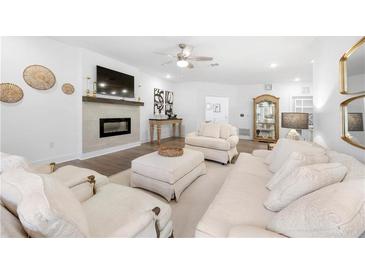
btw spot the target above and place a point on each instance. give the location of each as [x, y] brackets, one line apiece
[216, 109]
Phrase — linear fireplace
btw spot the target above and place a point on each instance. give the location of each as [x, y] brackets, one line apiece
[114, 126]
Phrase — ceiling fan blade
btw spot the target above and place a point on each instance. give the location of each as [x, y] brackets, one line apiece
[168, 62]
[165, 54]
[190, 66]
[200, 58]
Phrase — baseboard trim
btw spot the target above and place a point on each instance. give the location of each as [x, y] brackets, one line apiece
[100, 152]
[57, 159]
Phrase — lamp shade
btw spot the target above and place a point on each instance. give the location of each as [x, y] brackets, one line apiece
[294, 120]
[355, 122]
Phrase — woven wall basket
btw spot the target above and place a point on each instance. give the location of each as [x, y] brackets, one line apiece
[39, 77]
[10, 93]
[68, 88]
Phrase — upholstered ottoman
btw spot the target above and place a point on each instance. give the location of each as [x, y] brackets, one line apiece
[167, 176]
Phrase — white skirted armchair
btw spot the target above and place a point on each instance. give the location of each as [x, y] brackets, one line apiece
[218, 142]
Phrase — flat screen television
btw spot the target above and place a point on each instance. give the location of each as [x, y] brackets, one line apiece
[114, 83]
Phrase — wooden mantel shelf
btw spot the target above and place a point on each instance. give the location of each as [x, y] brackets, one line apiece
[111, 101]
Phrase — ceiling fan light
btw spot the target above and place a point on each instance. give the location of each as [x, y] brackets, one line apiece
[182, 63]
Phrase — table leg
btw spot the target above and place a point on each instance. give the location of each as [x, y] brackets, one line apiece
[151, 133]
[158, 134]
[180, 135]
[173, 129]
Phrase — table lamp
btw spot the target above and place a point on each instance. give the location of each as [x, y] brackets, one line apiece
[294, 121]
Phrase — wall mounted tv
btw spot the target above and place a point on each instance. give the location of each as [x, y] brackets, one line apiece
[111, 82]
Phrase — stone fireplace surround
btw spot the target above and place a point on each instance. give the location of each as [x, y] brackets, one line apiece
[93, 111]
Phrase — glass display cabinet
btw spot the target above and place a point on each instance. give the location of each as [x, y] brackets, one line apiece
[266, 118]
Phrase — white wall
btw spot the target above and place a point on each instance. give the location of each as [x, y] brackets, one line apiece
[327, 98]
[190, 101]
[46, 125]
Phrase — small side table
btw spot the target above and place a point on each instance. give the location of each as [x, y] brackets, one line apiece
[159, 123]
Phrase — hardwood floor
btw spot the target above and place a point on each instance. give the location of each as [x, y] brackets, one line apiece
[112, 163]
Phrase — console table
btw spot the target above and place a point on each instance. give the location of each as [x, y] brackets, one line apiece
[160, 122]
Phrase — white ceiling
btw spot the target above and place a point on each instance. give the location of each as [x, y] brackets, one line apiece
[242, 60]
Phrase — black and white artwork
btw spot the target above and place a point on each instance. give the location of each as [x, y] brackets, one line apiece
[217, 108]
[169, 102]
[158, 101]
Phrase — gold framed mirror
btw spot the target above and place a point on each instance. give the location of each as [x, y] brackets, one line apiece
[353, 122]
[352, 69]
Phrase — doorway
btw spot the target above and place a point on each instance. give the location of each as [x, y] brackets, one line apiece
[216, 109]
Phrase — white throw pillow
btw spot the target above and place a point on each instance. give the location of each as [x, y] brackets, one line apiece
[211, 130]
[45, 207]
[225, 131]
[295, 160]
[337, 210]
[285, 147]
[304, 180]
[9, 162]
[356, 169]
[201, 128]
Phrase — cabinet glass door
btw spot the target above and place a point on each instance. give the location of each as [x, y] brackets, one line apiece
[265, 120]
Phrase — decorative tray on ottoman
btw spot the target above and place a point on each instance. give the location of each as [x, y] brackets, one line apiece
[170, 151]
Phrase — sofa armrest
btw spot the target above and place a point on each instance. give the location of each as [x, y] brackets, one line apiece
[249, 231]
[261, 153]
[43, 169]
[192, 134]
[136, 225]
[234, 131]
[233, 140]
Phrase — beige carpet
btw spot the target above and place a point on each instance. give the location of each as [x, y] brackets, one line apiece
[193, 202]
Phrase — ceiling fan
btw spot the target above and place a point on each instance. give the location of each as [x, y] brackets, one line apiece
[184, 58]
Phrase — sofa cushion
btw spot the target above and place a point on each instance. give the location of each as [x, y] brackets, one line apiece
[295, 160]
[225, 131]
[285, 147]
[9, 161]
[249, 231]
[10, 226]
[356, 169]
[240, 199]
[337, 210]
[45, 207]
[201, 128]
[211, 130]
[115, 206]
[302, 181]
[208, 142]
[167, 169]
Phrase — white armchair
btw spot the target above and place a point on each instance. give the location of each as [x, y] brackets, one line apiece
[218, 142]
[111, 210]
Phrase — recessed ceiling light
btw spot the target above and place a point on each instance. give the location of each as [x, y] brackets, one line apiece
[273, 65]
[297, 79]
[312, 61]
[103, 85]
[182, 63]
[113, 92]
[124, 91]
[103, 92]
[168, 76]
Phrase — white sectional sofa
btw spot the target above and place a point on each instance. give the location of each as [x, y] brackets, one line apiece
[238, 209]
[216, 141]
